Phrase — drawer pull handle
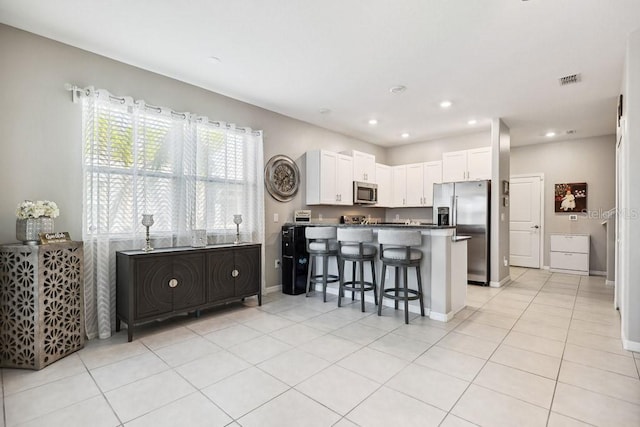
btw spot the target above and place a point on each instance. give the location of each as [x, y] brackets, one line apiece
[173, 283]
[235, 273]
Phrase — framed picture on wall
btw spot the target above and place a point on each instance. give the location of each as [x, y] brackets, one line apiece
[571, 197]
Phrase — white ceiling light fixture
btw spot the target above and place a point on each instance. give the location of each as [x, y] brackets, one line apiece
[324, 111]
[550, 134]
[472, 122]
[446, 104]
[397, 89]
[405, 135]
[373, 122]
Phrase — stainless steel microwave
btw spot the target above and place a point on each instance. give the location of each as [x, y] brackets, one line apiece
[365, 193]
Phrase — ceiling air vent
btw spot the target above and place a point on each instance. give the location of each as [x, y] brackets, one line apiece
[570, 79]
[571, 131]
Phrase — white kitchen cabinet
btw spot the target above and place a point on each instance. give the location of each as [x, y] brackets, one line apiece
[466, 165]
[364, 166]
[399, 185]
[415, 184]
[432, 175]
[329, 178]
[569, 253]
[419, 181]
[384, 181]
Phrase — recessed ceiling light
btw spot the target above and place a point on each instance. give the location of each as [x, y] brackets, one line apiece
[324, 111]
[397, 89]
[215, 59]
[446, 104]
[373, 122]
[472, 122]
[405, 135]
[550, 134]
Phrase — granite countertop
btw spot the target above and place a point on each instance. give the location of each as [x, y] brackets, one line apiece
[421, 226]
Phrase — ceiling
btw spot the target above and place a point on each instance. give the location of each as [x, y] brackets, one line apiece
[332, 62]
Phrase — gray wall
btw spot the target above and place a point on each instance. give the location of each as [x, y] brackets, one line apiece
[40, 155]
[590, 160]
[500, 164]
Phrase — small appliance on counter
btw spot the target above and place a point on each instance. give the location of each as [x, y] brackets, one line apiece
[302, 215]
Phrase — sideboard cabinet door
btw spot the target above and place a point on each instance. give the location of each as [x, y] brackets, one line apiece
[247, 264]
[219, 275]
[153, 294]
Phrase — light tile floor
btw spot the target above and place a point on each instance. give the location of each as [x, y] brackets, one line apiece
[544, 350]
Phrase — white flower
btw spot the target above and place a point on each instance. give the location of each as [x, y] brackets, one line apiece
[30, 209]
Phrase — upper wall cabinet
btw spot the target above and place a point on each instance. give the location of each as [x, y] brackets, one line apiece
[399, 186]
[384, 181]
[329, 178]
[364, 166]
[420, 178]
[466, 165]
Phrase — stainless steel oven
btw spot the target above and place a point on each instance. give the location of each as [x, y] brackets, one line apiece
[365, 193]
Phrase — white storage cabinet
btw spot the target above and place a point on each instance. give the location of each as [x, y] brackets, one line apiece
[364, 166]
[384, 181]
[569, 253]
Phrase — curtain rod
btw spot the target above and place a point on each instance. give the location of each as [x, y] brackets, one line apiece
[78, 92]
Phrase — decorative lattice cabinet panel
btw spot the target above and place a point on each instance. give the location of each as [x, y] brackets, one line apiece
[41, 304]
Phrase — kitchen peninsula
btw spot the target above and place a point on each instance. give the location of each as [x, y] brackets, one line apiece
[443, 268]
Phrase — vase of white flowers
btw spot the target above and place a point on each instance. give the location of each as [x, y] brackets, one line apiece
[35, 217]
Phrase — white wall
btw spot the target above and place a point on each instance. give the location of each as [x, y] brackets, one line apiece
[40, 149]
[629, 203]
[590, 160]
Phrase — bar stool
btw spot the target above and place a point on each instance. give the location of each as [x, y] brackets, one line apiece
[396, 251]
[321, 243]
[353, 247]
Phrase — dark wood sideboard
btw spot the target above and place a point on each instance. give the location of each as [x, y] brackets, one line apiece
[170, 281]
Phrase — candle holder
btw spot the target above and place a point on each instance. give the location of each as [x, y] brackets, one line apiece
[237, 219]
[147, 221]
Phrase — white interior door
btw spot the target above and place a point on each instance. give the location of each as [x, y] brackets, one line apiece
[525, 230]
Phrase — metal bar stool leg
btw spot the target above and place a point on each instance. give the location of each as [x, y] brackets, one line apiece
[406, 296]
[341, 276]
[384, 270]
[325, 273]
[310, 274]
[396, 274]
[353, 279]
[420, 291]
[373, 281]
[362, 284]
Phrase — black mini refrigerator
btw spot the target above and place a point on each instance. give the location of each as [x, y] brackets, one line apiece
[295, 260]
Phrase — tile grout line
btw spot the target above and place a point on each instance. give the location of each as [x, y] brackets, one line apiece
[498, 346]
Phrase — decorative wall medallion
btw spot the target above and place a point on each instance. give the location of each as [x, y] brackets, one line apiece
[282, 178]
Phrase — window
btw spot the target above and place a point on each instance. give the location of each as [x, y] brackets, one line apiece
[188, 172]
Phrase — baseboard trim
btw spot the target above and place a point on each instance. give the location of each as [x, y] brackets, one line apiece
[597, 273]
[501, 283]
[631, 345]
[610, 282]
[272, 289]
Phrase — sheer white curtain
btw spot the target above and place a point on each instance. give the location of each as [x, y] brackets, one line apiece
[188, 172]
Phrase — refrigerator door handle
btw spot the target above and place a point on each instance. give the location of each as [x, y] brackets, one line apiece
[454, 216]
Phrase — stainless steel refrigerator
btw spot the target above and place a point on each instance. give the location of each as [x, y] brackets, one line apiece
[467, 205]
